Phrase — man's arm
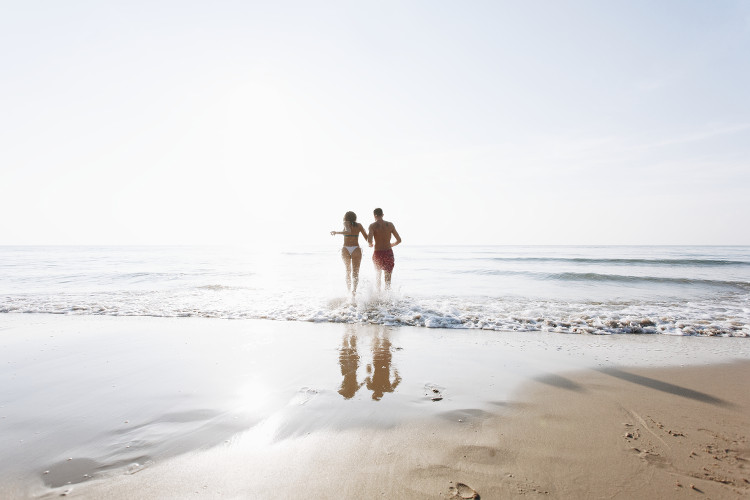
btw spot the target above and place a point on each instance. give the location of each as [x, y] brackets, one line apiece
[395, 233]
[369, 236]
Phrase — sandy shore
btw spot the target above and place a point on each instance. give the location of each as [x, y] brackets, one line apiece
[98, 407]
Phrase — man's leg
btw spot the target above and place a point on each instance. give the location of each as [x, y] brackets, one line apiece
[387, 279]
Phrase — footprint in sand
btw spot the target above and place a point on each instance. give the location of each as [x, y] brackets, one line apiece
[434, 392]
[461, 490]
[304, 395]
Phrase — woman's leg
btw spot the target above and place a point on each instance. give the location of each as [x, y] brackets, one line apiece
[356, 261]
[348, 264]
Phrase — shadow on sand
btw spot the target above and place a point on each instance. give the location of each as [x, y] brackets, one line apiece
[665, 387]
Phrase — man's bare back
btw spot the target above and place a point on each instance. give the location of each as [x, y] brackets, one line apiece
[381, 230]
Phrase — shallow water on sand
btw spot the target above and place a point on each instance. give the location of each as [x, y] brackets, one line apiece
[87, 396]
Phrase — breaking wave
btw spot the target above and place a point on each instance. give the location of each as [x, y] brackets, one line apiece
[730, 317]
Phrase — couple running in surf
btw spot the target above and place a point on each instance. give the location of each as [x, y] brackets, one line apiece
[381, 232]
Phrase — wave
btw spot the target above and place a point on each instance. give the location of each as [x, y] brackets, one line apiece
[218, 288]
[645, 279]
[603, 277]
[728, 316]
[149, 276]
[624, 261]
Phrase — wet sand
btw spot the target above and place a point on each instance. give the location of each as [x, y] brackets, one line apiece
[102, 407]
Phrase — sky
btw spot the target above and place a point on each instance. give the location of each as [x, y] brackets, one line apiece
[474, 122]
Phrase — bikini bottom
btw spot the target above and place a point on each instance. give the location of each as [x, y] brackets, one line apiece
[351, 249]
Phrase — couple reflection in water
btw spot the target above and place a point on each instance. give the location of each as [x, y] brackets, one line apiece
[378, 379]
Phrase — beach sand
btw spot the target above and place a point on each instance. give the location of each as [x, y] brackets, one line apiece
[107, 407]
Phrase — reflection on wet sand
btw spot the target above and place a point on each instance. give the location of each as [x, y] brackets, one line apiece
[379, 382]
[349, 361]
[379, 379]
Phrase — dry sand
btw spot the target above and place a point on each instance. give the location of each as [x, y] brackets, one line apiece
[218, 409]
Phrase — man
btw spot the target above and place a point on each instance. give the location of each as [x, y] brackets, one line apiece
[382, 230]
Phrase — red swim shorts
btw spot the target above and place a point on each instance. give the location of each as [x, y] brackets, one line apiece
[384, 259]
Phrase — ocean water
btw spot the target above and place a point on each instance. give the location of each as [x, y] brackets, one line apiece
[677, 290]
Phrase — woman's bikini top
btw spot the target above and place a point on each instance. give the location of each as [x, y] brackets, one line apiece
[355, 235]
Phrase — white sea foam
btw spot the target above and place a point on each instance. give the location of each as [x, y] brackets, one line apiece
[704, 317]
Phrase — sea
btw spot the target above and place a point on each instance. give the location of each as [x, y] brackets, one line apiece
[600, 290]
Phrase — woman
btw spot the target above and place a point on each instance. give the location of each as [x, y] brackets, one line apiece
[351, 254]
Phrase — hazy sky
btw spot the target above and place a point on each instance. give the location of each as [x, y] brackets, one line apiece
[468, 122]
